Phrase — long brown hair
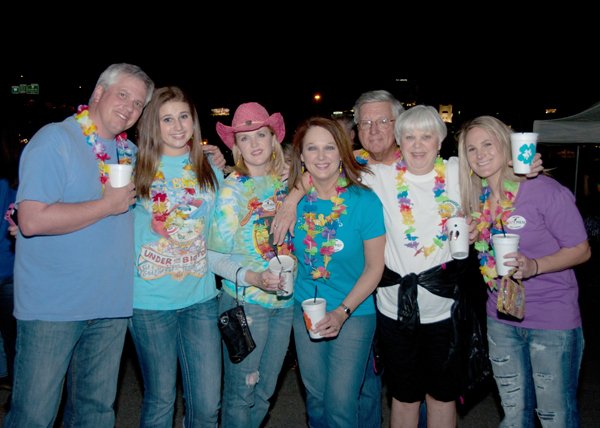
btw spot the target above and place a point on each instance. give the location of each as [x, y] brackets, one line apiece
[150, 143]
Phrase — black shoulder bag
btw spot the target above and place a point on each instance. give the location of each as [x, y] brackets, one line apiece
[235, 331]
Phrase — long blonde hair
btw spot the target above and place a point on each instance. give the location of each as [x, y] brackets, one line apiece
[470, 183]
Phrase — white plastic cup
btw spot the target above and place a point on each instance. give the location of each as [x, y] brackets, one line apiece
[504, 245]
[523, 151]
[284, 267]
[120, 174]
[314, 311]
[458, 237]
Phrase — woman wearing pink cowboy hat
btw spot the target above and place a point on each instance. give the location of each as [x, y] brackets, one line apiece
[247, 203]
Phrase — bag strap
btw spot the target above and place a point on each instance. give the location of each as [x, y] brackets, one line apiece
[236, 287]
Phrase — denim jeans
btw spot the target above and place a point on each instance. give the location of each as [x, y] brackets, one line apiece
[88, 352]
[191, 337]
[536, 366]
[249, 385]
[369, 400]
[333, 370]
[8, 327]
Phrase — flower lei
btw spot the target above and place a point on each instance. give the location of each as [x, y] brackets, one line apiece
[158, 193]
[439, 193]
[325, 226]
[362, 157]
[488, 225]
[89, 131]
[248, 183]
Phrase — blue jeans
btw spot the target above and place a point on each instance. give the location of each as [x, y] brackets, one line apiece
[536, 366]
[333, 370]
[191, 337]
[249, 385]
[8, 327]
[369, 400]
[88, 352]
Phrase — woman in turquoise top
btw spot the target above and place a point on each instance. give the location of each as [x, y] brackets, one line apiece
[339, 242]
[175, 304]
[245, 208]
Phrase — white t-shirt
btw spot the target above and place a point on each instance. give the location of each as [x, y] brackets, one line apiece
[398, 256]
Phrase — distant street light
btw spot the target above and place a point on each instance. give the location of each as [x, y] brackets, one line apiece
[317, 97]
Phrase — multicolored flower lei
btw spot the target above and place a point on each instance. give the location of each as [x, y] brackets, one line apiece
[89, 131]
[161, 213]
[439, 193]
[320, 225]
[362, 156]
[488, 225]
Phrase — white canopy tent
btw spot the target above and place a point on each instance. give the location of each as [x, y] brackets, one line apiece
[581, 128]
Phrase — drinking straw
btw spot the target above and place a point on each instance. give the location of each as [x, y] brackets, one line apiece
[275, 250]
[315, 298]
[502, 226]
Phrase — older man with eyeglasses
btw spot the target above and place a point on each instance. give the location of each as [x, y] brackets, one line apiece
[375, 113]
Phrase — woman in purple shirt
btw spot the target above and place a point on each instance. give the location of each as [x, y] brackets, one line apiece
[536, 359]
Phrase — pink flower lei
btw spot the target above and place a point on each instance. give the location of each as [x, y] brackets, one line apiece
[325, 226]
[90, 132]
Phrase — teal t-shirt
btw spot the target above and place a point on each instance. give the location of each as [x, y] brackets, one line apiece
[362, 221]
[171, 232]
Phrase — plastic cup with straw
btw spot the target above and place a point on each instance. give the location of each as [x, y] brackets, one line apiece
[314, 310]
[504, 243]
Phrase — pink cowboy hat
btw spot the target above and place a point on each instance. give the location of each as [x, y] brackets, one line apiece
[250, 117]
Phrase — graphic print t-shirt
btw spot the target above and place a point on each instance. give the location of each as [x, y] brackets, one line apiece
[171, 265]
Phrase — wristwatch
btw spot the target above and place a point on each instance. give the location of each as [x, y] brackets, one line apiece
[347, 310]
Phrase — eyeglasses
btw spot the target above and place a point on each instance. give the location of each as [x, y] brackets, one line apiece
[384, 123]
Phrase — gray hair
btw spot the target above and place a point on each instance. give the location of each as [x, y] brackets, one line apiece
[114, 71]
[377, 96]
[423, 118]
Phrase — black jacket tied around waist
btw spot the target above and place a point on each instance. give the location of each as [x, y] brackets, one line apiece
[441, 280]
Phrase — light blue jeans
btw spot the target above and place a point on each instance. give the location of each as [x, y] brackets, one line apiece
[536, 366]
[369, 400]
[87, 352]
[333, 370]
[249, 385]
[191, 337]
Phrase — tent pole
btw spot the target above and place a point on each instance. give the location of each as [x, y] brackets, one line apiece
[576, 171]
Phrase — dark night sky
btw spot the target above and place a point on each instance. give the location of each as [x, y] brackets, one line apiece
[225, 58]
[507, 64]
[287, 83]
